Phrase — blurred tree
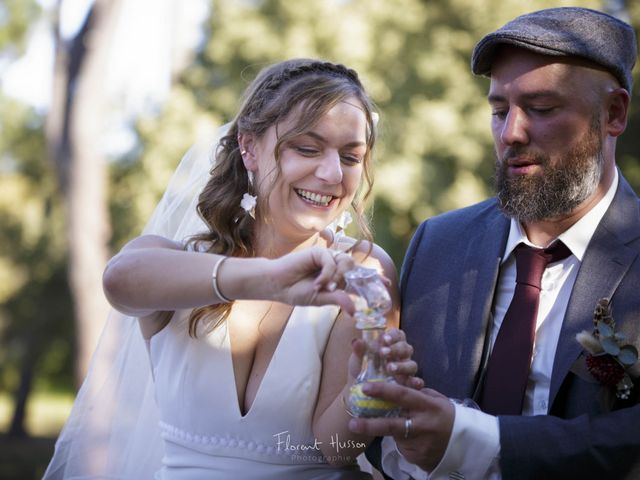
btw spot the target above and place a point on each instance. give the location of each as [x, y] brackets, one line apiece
[34, 311]
[33, 307]
[47, 225]
[75, 124]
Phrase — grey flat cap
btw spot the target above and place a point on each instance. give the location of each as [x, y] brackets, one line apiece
[567, 32]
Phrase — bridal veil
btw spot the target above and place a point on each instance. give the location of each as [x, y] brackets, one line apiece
[112, 431]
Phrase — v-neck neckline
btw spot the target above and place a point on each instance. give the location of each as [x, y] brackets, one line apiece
[267, 372]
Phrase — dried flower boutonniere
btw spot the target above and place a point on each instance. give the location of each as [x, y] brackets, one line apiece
[610, 361]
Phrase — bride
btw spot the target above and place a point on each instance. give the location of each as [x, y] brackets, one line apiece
[225, 377]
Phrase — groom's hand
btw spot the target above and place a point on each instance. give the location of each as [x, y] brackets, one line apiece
[431, 415]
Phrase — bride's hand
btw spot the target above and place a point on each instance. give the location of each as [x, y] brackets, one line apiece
[397, 351]
[314, 276]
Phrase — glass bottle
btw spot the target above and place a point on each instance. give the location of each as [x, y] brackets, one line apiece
[372, 301]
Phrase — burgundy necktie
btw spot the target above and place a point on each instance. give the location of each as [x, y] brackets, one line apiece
[510, 361]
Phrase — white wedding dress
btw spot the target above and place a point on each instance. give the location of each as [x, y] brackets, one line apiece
[168, 408]
[206, 436]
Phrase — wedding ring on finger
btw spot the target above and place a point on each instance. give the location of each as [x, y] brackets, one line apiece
[407, 427]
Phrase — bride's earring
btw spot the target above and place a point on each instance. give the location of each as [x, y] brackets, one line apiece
[248, 202]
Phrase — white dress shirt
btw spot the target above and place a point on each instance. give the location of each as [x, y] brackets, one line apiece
[474, 447]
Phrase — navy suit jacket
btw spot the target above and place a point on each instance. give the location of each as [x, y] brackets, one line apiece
[447, 283]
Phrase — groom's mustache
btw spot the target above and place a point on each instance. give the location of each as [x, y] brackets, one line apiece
[518, 155]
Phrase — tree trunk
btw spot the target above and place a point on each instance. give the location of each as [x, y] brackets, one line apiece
[17, 428]
[74, 134]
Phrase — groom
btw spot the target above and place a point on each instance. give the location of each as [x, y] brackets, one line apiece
[493, 319]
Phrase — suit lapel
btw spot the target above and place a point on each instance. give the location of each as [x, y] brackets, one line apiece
[605, 263]
[482, 261]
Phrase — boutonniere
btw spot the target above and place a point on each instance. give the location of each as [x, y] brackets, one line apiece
[610, 360]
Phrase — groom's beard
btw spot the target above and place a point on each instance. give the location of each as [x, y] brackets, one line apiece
[557, 189]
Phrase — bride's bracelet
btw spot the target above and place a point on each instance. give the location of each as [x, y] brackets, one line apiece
[214, 281]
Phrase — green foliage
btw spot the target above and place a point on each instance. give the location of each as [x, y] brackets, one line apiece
[16, 17]
[35, 311]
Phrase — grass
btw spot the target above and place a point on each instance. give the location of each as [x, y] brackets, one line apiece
[27, 458]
